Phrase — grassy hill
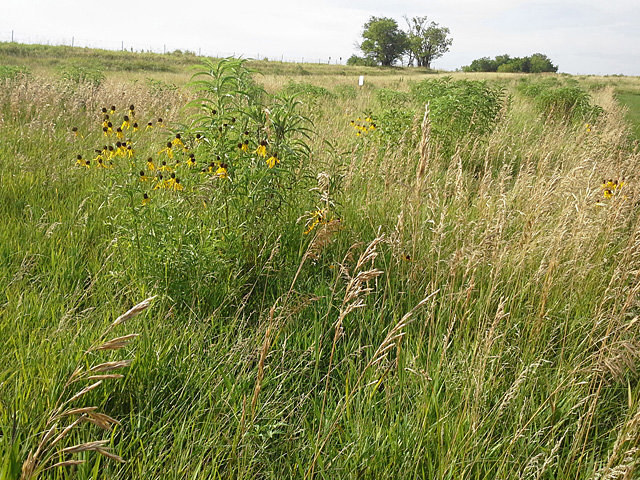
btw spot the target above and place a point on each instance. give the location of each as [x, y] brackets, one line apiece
[319, 280]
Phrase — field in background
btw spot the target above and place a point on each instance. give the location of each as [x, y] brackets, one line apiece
[379, 296]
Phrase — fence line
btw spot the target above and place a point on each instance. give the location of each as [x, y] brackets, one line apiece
[122, 45]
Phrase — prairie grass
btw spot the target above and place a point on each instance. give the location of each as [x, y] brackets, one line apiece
[469, 315]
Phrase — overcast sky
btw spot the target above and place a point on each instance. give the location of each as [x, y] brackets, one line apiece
[590, 36]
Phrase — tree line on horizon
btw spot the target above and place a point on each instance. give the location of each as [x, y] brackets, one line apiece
[536, 63]
[385, 43]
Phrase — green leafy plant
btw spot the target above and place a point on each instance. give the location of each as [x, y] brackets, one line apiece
[565, 101]
[9, 72]
[82, 73]
[460, 108]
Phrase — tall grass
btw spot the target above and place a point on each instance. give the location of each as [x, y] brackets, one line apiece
[271, 353]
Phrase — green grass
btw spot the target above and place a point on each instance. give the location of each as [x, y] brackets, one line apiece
[631, 100]
[269, 353]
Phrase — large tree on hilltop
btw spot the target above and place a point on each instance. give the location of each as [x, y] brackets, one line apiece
[383, 41]
[426, 40]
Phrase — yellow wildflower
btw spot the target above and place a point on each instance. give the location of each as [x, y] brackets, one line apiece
[160, 184]
[221, 172]
[262, 149]
[150, 166]
[125, 123]
[145, 199]
[315, 218]
[178, 140]
[168, 150]
[272, 160]
[164, 167]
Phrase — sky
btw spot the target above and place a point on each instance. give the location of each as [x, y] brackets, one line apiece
[586, 37]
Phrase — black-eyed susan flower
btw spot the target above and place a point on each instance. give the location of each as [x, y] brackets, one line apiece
[611, 187]
[222, 172]
[79, 161]
[113, 109]
[314, 219]
[168, 150]
[125, 123]
[101, 163]
[191, 161]
[178, 140]
[150, 165]
[244, 146]
[160, 184]
[132, 112]
[142, 176]
[145, 199]
[160, 123]
[170, 181]
[272, 160]
[135, 127]
[149, 126]
[198, 138]
[130, 151]
[119, 133]
[262, 149]
[164, 167]
[105, 121]
[104, 110]
[75, 132]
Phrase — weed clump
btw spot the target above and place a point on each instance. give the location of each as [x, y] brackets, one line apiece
[562, 101]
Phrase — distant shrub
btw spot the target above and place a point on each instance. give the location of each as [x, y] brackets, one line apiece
[345, 91]
[301, 71]
[306, 89]
[459, 108]
[82, 73]
[567, 101]
[536, 63]
[387, 98]
[355, 60]
[9, 72]
[158, 86]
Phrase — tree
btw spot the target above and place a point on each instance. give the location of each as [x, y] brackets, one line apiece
[361, 61]
[426, 41]
[383, 41]
[541, 63]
